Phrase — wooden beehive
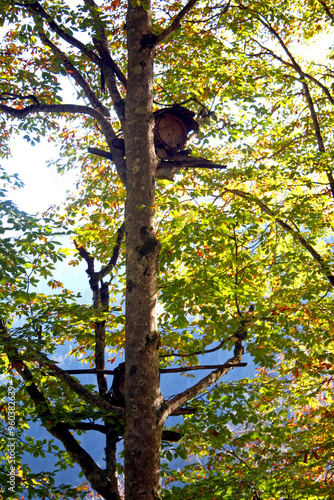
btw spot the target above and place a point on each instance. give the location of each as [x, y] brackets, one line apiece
[172, 126]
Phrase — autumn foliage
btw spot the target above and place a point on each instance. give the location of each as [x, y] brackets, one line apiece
[246, 257]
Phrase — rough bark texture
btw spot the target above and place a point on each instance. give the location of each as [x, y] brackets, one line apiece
[142, 388]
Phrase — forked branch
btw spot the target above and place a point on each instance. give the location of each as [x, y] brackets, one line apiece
[173, 404]
[95, 475]
[177, 21]
[101, 302]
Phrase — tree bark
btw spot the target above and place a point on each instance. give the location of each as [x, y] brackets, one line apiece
[142, 387]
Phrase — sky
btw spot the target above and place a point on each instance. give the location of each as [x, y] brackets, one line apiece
[43, 185]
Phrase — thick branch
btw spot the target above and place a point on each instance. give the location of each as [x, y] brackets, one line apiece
[174, 403]
[102, 46]
[327, 9]
[83, 393]
[103, 39]
[111, 455]
[100, 152]
[11, 96]
[95, 277]
[51, 108]
[197, 353]
[169, 168]
[98, 304]
[177, 21]
[37, 10]
[317, 257]
[100, 345]
[106, 126]
[76, 75]
[104, 117]
[93, 282]
[89, 370]
[192, 392]
[235, 361]
[80, 390]
[87, 257]
[240, 333]
[108, 66]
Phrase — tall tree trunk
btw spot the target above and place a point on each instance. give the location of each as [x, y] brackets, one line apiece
[142, 385]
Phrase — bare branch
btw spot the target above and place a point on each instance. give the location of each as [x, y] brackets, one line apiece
[162, 370]
[199, 367]
[95, 277]
[106, 125]
[113, 261]
[105, 62]
[102, 37]
[37, 10]
[101, 41]
[11, 96]
[109, 68]
[168, 435]
[100, 152]
[294, 65]
[87, 426]
[100, 302]
[65, 377]
[185, 162]
[236, 361]
[111, 455]
[100, 346]
[197, 353]
[79, 371]
[193, 391]
[87, 257]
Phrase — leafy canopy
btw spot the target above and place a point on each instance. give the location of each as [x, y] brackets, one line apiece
[250, 247]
